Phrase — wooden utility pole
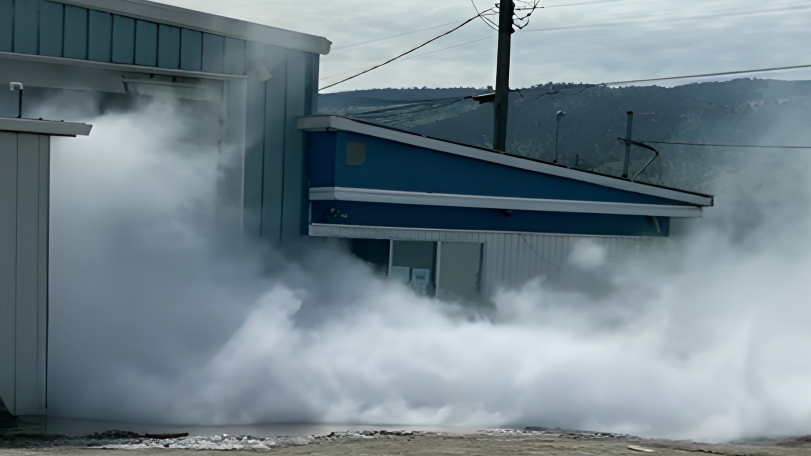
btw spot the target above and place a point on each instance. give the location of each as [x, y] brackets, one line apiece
[505, 31]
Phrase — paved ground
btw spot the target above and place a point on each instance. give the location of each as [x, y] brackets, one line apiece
[549, 443]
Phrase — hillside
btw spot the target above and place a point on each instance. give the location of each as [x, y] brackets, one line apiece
[743, 111]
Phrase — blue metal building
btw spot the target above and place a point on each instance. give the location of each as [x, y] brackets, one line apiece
[380, 184]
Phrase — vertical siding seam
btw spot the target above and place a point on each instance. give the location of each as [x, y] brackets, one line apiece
[16, 259]
[64, 29]
[13, 44]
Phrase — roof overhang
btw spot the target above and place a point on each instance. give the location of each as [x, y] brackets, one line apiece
[44, 127]
[233, 28]
[323, 123]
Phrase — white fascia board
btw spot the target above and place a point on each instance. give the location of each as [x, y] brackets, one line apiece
[116, 66]
[427, 234]
[322, 123]
[226, 26]
[493, 202]
[44, 127]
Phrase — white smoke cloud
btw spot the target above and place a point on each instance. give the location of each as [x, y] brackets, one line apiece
[156, 318]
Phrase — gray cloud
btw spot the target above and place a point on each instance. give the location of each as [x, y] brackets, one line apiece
[572, 41]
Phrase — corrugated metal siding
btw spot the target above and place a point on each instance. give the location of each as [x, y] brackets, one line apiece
[123, 40]
[146, 43]
[56, 30]
[26, 26]
[213, 53]
[509, 259]
[191, 50]
[169, 47]
[100, 29]
[235, 56]
[6, 25]
[52, 21]
[76, 28]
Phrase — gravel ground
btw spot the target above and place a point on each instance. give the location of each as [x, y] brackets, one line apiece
[386, 443]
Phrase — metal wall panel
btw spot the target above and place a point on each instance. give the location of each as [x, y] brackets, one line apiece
[42, 264]
[26, 26]
[273, 175]
[295, 165]
[510, 260]
[235, 56]
[8, 264]
[51, 21]
[28, 400]
[254, 150]
[123, 40]
[6, 25]
[213, 53]
[169, 47]
[100, 31]
[191, 50]
[146, 43]
[76, 28]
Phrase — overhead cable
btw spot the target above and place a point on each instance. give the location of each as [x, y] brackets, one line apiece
[708, 75]
[392, 36]
[405, 53]
[746, 146]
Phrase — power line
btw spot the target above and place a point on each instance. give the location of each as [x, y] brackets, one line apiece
[403, 54]
[488, 22]
[393, 36]
[707, 75]
[747, 146]
[452, 47]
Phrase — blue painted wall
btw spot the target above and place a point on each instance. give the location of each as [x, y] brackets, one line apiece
[472, 219]
[392, 165]
[53, 29]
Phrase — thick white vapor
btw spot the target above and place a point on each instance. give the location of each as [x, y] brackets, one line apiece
[156, 317]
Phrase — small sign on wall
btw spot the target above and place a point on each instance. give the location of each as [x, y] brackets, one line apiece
[355, 153]
[421, 276]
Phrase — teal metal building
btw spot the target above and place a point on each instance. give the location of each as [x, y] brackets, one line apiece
[255, 81]
[260, 79]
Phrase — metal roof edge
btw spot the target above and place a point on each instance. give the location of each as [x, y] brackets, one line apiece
[234, 28]
[325, 122]
[44, 127]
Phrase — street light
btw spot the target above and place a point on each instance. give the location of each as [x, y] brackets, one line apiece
[557, 133]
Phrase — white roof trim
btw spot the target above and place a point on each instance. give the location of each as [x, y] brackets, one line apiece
[122, 67]
[210, 23]
[321, 123]
[431, 234]
[44, 127]
[492, 202]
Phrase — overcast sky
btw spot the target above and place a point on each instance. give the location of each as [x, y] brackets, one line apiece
[568, 41]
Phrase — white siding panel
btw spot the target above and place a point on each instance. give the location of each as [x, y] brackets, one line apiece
[509, 259]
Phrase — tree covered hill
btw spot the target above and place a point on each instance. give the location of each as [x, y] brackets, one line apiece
[738, 112]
